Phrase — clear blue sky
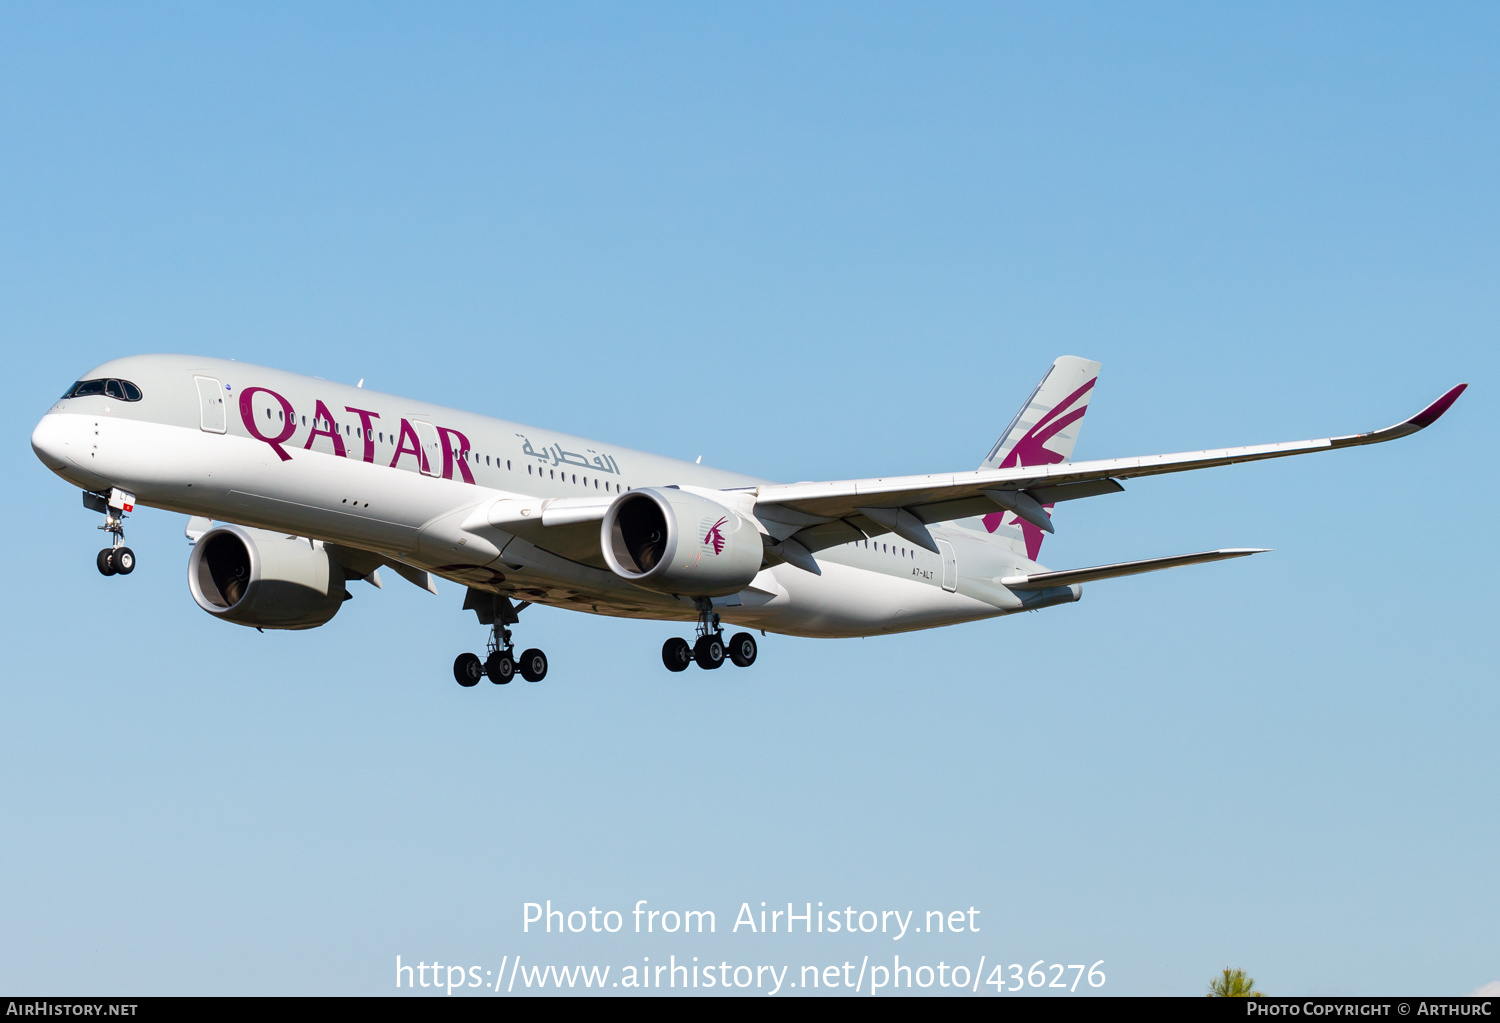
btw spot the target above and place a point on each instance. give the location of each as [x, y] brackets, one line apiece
[807, 242]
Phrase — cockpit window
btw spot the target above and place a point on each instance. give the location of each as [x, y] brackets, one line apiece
[84, 388]
[122, 390]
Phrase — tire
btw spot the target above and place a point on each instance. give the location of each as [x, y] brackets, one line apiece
[533, 665]
[106, 562]
[500, 668]
[676, 654]
[742, 649]
[123, 558]
[467, 670]
[709, 652]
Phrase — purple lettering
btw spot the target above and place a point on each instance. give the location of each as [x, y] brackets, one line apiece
[448, 459]
[247, 416]
[407, 433]
[364, 421]
[322, 415]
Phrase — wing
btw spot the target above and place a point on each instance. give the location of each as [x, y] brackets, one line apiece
[823, 514]
[805, 517]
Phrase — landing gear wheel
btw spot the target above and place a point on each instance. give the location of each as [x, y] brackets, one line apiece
[709, 652]
[742, 649]
[499, 667]
[533, 665]
[676, 654]
[106, 562]
[468, 670]
[123, 558]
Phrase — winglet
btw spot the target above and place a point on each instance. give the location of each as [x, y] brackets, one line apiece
[1433, 412]
[1406, 427]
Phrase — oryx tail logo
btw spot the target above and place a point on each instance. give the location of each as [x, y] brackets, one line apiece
[714, 537]
[1030, 449]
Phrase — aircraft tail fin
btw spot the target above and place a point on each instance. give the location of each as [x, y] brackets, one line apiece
[1042, 433]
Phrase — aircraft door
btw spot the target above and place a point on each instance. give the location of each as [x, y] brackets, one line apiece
[212, 417]
[950, 566]
[432, 455]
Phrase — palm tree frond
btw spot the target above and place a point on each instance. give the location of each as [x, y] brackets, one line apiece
[1233, 984]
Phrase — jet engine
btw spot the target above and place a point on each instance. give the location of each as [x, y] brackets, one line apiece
[672, 541]
[265, 580]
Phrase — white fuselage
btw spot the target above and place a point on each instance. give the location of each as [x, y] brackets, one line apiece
[408, 480]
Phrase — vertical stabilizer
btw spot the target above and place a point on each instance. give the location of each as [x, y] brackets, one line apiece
[1046, 428]
[1042, 433]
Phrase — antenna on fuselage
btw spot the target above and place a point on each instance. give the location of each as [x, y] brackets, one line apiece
[361, 382]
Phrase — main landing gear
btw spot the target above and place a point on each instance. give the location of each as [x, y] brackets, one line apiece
[500, 663]
[709, 651]
[116, 559]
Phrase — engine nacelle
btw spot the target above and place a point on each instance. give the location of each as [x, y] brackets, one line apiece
[264, 580]
[676, 542]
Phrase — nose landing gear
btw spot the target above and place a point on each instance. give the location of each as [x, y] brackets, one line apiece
[500, 663]
[709, 651]
[116, 559]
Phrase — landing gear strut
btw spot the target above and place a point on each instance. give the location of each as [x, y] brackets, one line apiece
[709, 650]
[116, 559]
[500, 662]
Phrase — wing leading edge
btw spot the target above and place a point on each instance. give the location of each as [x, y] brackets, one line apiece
[940, 497]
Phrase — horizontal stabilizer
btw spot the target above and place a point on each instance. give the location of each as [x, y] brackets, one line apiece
[1044, 580]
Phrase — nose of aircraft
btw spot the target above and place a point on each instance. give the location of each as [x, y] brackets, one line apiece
[54, 440]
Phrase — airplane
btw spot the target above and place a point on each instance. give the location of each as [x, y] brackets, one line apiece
[295, 486]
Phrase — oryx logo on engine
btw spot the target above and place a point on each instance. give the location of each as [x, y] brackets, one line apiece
[714, 538]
